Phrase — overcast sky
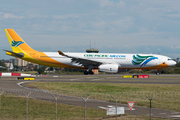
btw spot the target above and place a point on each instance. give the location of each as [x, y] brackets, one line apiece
[120, 26]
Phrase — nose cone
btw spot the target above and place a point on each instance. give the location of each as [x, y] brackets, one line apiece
[171, 63]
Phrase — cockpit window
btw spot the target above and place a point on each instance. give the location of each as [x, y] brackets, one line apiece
[172, 60]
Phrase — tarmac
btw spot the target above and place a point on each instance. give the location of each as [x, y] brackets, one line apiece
[12, 83]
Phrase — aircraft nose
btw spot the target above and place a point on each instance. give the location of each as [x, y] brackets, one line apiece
[171, 63]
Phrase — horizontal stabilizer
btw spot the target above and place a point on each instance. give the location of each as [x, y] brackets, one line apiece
[15, 54]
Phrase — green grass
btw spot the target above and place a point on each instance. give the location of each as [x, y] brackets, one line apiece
[103, 87]
[14, 108]
[102, 91]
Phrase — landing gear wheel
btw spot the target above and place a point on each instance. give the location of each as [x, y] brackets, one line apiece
[85, 72]
[157, 73]
[91, 72]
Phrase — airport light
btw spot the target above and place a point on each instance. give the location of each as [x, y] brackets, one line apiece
[150, 99]
[85, 106]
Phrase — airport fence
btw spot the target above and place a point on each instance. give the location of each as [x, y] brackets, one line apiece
[79, 99]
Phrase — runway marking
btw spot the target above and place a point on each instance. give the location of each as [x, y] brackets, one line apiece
[73, 79]
[19, 84]
[176, 116]
[76, 79]
[95, 79]
[175, 112]
[88, 78]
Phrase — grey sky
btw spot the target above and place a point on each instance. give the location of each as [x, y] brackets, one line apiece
[130, 26]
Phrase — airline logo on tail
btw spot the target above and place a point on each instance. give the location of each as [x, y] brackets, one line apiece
[16, 43]
[142, 60]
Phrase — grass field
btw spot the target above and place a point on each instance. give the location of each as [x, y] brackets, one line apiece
[103, 87]
[15, 107]
[167, 104]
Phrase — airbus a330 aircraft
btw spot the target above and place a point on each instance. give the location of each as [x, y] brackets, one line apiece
[107, 62]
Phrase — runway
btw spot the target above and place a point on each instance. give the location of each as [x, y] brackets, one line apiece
[154, 79]
[11, 83]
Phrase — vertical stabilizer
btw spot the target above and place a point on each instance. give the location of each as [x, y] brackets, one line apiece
[16, 42]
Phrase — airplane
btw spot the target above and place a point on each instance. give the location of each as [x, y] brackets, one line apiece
[106, 62]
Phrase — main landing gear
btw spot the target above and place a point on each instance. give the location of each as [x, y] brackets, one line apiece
[158, 72]
[88, 72]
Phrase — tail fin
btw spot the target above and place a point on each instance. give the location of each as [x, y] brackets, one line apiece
[16, 42]
[21, 50]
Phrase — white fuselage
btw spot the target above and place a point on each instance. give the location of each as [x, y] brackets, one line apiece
[123, 60]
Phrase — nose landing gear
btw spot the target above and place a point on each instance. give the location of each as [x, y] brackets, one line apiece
[158, 72]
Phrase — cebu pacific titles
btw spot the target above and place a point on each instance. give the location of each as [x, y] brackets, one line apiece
[107, 62]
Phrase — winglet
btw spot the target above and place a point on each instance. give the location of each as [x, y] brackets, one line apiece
[61, 53]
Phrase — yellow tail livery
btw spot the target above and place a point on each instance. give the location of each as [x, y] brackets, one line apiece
[21, 50]
[106, 62]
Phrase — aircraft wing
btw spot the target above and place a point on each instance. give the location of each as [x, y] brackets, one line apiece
[83, 61]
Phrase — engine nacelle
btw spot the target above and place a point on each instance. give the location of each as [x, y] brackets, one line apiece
[110, 68]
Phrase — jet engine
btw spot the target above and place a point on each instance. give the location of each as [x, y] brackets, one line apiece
[110, 68]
